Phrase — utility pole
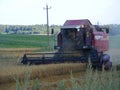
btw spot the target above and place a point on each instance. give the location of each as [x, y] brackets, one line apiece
[47, 8]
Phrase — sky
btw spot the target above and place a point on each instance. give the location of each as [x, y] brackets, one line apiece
[31, 12]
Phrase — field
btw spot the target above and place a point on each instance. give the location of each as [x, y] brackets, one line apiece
[114, 42]
[114, 49]
[25, 41]
[12, 47]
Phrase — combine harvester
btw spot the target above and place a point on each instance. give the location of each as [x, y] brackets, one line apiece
[77, 41]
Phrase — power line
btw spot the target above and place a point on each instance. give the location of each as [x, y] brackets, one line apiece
[47, 17]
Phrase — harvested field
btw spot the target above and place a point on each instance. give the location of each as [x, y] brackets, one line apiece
[10, 56]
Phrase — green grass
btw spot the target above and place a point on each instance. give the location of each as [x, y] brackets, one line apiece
[25, 41]
[114, 42]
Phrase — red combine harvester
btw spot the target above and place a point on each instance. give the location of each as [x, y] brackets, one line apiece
[77, 41]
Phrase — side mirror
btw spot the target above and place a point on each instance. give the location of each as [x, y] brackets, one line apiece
[52, 31]
[107, 30]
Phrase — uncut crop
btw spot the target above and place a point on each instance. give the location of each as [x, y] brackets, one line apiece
[93, 80]
[10, 73]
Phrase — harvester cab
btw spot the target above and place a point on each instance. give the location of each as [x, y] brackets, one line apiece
[74, 37]
[81, 34]
[78, 41]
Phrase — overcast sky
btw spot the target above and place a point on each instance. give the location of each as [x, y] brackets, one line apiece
[27, 12]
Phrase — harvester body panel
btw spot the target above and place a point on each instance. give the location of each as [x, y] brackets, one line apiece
[101, 41]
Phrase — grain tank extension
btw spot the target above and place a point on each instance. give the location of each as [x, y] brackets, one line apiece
[77, 41]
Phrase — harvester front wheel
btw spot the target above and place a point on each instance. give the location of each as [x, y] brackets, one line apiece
[105, 60]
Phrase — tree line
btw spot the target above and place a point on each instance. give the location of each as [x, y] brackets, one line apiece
[41, 29]
[114, 29]
[26, 29]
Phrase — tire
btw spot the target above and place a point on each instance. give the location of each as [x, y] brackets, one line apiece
[105, 58]
[108, 65]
